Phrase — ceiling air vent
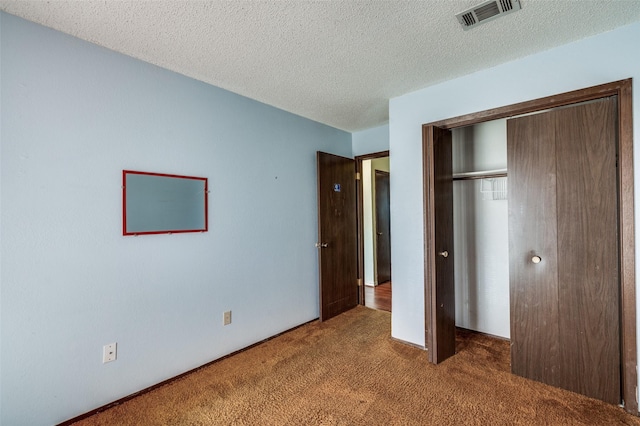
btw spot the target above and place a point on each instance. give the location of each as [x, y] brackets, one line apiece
[486, 12]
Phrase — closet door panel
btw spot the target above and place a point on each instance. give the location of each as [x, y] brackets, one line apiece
[533, 232]
[587, 249]
[441, 328]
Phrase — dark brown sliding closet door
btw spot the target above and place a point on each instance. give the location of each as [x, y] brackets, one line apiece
[564, 248]
[531, 164]
[588, 249]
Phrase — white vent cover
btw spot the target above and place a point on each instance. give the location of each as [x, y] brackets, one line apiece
[487, 11]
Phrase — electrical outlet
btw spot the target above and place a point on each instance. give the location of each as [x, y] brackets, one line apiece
[109, 352]
[226, 318]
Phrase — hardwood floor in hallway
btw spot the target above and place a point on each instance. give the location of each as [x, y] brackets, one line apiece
[378, 297]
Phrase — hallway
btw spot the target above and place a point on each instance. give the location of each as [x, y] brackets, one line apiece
[378, 297]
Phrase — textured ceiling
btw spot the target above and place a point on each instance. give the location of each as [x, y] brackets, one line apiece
[336, 62]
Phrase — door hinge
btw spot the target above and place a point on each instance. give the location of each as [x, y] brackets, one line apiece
[358, 176]
[359, 282]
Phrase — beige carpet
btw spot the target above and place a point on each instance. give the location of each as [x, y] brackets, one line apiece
[348, 371]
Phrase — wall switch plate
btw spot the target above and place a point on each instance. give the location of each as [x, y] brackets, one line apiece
[226, 318]
[109, 352]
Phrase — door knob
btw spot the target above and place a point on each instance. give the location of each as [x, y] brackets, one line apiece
[444, 254]
[322, 245]
[536, 259]
[379, 233]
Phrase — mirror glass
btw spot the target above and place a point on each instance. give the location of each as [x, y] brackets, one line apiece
[157, 203]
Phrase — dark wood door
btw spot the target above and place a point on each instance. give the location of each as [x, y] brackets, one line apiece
[383, 227]
[564, 266]
[533, 232]
[441, 318]
[337, 235]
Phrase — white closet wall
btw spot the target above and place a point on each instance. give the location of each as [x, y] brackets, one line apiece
[481, 244]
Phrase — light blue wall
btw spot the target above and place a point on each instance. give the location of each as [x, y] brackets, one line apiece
[75, 115]
[596, 60]
[375, 139]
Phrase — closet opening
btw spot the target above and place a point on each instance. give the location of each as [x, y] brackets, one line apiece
[480, 227]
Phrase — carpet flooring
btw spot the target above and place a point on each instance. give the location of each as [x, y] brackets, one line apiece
[349, 371]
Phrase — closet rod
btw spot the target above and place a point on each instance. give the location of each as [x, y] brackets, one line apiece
[480, 175]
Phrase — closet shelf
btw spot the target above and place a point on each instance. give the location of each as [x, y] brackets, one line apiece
[485, 174]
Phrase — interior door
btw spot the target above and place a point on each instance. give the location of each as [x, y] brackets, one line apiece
[440, 301]
[337, 234]
[383, 227]
[564, 263]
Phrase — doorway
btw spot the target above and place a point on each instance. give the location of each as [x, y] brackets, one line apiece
[346, 201]
[375, 230]
[439, 285]
[337, 235]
